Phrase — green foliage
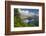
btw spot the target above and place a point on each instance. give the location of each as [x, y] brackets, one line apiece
[18, 23]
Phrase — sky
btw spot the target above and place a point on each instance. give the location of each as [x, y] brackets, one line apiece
[31, 10]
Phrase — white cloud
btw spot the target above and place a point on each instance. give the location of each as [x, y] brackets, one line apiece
[26, 14]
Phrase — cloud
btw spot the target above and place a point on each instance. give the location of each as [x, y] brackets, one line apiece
[26, 14]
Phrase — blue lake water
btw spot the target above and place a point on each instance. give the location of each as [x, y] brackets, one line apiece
[28, 21]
